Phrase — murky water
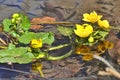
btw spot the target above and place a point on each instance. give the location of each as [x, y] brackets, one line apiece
[36, 8]
[39, 8]
[62, 10]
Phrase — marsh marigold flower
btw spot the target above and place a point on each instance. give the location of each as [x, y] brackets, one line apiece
[83, 30]
[104, 24]
[36, 43]
[92, 17]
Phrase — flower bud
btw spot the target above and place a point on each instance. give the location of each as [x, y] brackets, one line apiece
[18, 19]
[13, 20]
[91, 39]
[15, 15]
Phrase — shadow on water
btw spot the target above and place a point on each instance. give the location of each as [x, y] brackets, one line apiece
[10, 71]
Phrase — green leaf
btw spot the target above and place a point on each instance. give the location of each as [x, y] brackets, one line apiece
[27, 37]
[65, 31]
[103, 33]
[25, 58]
[7, 59]
[7, 23]
[11, 46]
[47, 37]
[13, 52]
[25, 22]
[16, 55]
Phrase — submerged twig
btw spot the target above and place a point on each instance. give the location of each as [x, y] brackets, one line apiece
[15, 70]
[54, 23]
[110, 70]
[104, 61]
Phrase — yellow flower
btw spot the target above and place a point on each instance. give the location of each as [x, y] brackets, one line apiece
[104, 24]
[92, 17]
[36, 43]
[83, 30]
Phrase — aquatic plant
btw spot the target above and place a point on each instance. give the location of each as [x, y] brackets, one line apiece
[87, 39]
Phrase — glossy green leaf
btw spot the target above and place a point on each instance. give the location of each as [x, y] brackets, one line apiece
[47, 37]
[65, 31]
[11, 46]
[103, 34]
[25, 22]
[16, 55]
[25, 58]
[13, 52]
[27, 37]
[7, 23]
[7, 59]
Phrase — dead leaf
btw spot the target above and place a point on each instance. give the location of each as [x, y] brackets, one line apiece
[63, 68]
[43, 20]
[36, 27]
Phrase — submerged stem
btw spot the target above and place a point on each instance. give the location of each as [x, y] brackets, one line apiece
[59, 57]
[49, 57]
[115, 28]
[15, 70]
[57, 47]
[104, 61]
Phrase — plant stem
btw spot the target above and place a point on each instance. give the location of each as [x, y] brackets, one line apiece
[57, 47]
[115, 28]
[49, 57]
[59, 57]
[53, 23]
[3, 47]
[104, 61]
[41, 73]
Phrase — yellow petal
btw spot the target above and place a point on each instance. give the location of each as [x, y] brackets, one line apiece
[92, 17]
[85, 15]
[83, 30]
[36, 43]
[104, 24]
[89, 29]
[94, 13]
